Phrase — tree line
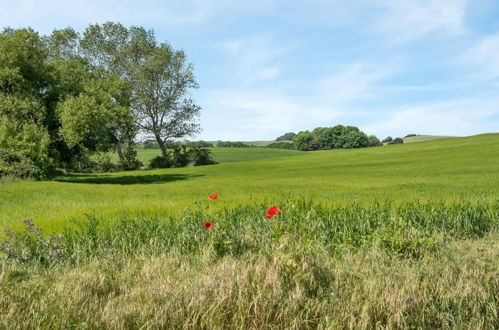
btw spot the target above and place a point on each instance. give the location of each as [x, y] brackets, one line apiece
[67, 96]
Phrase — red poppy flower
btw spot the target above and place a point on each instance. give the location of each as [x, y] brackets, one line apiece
[213, 196]
[207, 225]
[272, 211]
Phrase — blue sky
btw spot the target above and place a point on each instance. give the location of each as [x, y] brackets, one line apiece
[391, 67]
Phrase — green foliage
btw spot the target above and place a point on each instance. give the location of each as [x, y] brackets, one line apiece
[304, 141]
[229, 144]
[31, 246]
[198, 144]
[202, 156]
[103, 163]
[387, 139]
[46, 85]
[286, 137]
[410, 135]
[374, 141]
[397, 141]
[337, 137]
[161, 162]
[180, 156]
[130, 160]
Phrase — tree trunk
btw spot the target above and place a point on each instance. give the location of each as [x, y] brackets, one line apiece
[120, 153]
[162, 146]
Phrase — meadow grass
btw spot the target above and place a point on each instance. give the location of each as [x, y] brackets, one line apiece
[402, 236]
[450, 170]
[223, 155]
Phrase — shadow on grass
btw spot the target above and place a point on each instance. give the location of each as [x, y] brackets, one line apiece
[125, 179]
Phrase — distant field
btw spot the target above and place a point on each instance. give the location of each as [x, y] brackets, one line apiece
[421, 138]
[254, 143]
[225, 155]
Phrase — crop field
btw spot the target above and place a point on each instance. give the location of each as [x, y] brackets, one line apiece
[400, 236]
[224, 155]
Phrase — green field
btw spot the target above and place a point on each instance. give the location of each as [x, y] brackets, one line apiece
[400, 236]
[224, 155]
[422, 138]
[438, 170]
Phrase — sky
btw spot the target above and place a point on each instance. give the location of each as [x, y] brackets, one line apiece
[390, 67]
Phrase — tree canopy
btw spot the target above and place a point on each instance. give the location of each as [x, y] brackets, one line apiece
[336, 137]
[67, 96]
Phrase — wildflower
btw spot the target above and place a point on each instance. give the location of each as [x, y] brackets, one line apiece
[207, 225]
[272, 211]
[213, 196]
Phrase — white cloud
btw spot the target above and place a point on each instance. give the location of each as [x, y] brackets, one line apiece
[410, 19]
[358, 80]
[255, 57]
[460, 117]
[483, 58]
[245, 114]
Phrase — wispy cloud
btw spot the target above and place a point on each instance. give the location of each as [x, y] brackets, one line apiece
[483, 58]
[255, 57]
[458, 117]
[410, 19]
[255, 114]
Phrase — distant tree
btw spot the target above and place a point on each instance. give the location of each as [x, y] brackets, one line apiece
[230, 144]
[397, 141]
[387, 139]
[303, 140]
[374, 141]
[286, 137]
[409, 135]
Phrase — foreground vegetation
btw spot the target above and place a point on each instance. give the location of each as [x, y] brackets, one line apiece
[402, 236]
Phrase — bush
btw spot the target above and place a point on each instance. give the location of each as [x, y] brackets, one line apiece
[102, 163]
[160, 162]
[409, 135]
[130, 161]
[387, 139]
[397, 141]
[201, 156]
[374, 141]
[15, 164]
[180, 156]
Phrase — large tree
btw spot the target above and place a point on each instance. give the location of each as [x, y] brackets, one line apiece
[161, 98]
[159, 76]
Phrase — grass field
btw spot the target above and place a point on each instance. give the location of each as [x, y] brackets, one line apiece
[401, 236]
[224, 155]
[422, 138]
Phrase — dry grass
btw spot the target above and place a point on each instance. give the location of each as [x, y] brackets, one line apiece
[458, 287]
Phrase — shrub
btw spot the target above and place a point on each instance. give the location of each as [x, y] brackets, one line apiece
[202, 156]
[387, 139]
[397, 141]
[180, 156]
[130, 161]
[102, 163]
[16, 164]
[160, 162]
